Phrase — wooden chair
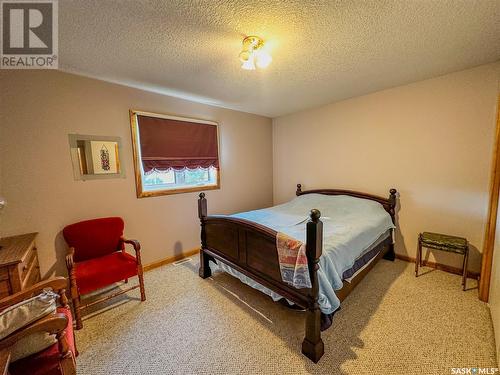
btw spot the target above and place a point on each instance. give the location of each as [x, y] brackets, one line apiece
[56, 359]
[97, 258]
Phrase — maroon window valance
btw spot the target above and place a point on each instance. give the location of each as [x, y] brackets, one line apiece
[171, 143]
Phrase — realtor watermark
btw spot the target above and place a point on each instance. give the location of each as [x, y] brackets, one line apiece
[29, 34]
[474, 370]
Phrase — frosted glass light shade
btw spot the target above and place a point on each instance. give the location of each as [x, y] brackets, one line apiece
[263, 59]
[249, 64]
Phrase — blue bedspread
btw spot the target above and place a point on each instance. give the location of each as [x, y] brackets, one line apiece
[350, 226]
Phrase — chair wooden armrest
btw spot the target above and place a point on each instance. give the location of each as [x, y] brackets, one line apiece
[52, 323]
[69, 258]
[73, 288]
[136, 245]
[58, 285]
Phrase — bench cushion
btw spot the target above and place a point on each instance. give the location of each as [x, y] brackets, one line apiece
[444, 242]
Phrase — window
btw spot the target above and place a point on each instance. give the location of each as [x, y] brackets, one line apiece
[174, 154]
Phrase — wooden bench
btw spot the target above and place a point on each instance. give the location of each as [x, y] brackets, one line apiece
[444, 242]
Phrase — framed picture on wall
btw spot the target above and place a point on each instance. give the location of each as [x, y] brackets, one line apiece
[104, 157]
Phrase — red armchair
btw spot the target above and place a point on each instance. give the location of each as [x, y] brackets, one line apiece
[58, 359]
[97, 258]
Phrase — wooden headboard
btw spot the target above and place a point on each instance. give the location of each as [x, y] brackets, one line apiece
[389, 204]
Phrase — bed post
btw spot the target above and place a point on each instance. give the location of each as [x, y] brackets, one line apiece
[392, 202]
[313, 346]
[299, 190]
[391, 255]
[204, 270]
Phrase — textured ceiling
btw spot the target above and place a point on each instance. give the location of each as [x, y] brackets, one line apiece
[322, 51]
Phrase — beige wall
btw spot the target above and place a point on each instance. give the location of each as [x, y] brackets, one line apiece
[432, 140]
[40, 108]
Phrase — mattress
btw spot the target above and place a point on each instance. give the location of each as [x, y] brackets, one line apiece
[365, 259]
[352, 227]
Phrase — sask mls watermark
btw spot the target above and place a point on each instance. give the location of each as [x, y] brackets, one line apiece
[474, 370]
[29, 34]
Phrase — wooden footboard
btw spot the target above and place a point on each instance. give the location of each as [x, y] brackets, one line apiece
[250, 248]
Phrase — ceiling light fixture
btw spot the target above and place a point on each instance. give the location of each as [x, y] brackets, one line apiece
[253, 54]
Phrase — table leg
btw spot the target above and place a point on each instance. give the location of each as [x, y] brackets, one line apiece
[419, 255]
[466, 261]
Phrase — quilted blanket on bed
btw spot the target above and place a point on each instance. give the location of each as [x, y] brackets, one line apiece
[293, 261]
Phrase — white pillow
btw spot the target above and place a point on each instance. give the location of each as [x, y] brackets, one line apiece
[24, 313]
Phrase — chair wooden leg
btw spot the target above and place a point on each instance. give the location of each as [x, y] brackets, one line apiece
[140, 271]
[141, 286]
[463, 270]
[419, 256]
[67, 364]
[465, 266]
[140, 275]
[78, 314]
[75, 298]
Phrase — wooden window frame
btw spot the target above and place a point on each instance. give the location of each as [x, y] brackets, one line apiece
[136, 148]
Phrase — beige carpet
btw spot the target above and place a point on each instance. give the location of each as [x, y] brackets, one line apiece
[391, 324]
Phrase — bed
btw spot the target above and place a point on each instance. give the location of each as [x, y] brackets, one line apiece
[245, 245]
